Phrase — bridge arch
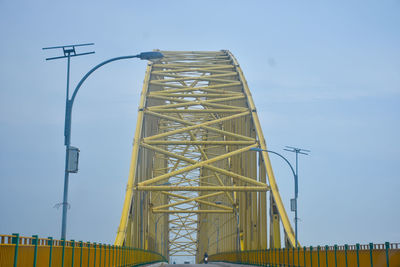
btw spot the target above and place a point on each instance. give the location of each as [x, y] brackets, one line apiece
[194, 185]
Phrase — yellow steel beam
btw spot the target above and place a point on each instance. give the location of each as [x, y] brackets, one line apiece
[172, 74]
[271, 177]
[133, 165]
[200, 78]
[181, 88]
[198, 95]
[187, 199]
[208, 203]
[220, 89]
[196, 103]
[186, 65]
[176, 142]
[222, 132]
[261, 188]
[186, 71]
[197, 126]
[205, 157]
[167, 110]
[171, 99]
[211, 167]
[203, 163]
[206, 77]
[192, 211]
[183, 102]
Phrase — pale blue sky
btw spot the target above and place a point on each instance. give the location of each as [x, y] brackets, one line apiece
[325, 76]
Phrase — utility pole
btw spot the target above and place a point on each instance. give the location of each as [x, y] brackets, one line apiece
[293, 202]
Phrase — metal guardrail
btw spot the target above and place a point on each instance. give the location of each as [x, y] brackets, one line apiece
[16, 251]
[371, 255]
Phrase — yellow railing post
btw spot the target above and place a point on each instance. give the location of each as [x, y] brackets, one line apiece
[73, 253]
[80, 259]
[88, 257]
[63, 252]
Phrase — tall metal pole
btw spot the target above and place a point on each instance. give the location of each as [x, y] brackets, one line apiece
[217, 235]
[296, 178]
[155, 247]
[295, 198]
[67, 131]
[238, 231]
[238, 247]
[155, 230]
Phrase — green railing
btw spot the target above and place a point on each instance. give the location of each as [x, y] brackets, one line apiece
[371, 255]
[16, 251]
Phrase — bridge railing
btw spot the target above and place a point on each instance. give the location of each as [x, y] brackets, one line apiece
[17, 251]
[371, 255]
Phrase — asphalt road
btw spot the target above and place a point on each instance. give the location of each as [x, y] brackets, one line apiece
[192, 265]
[211, 264]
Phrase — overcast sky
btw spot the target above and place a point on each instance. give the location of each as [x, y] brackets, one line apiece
[325, 76]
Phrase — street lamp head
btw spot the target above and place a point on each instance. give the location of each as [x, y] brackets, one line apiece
[152, 56]
[256, 149]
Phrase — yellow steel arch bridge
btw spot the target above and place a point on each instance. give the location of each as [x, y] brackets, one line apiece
[194, 185]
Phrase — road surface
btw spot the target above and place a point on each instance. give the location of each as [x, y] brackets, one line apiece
[211, 264]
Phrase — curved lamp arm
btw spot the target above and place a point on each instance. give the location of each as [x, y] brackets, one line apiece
[144, 55]
[91, 71]
[276, 153]
[290, 165]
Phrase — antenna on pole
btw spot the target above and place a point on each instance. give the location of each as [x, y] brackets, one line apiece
[297, 150]
[69, 50]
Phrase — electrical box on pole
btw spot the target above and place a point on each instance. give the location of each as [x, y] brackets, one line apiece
[293, 204]
[73, 159]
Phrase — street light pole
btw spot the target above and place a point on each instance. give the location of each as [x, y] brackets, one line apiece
[217, 235]
[155, 231]
[296, 185]
[238, 247]
[69, 51]
[295, 176]
[155, 226]
[217, 226]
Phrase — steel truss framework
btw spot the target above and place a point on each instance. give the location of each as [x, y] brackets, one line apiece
[193, 185]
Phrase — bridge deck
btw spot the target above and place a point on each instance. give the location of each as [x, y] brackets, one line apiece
[212, 264]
